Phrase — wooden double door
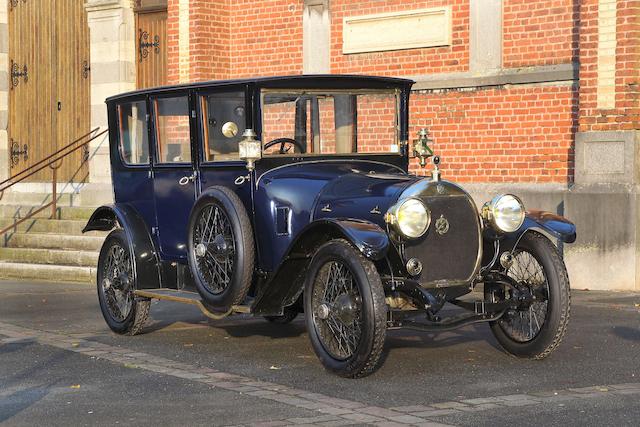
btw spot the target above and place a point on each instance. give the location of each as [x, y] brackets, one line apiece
[49, 81]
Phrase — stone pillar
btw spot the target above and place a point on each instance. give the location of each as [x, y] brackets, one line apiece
[604, 202]
[4, 90]
[113, 71]
[316, 38]
[485, 35]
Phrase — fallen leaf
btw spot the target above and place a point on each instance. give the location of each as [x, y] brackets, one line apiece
[275, 368]
[636, 305]
[188, 345]
[75, 344]
[130, 366]
[76, 386]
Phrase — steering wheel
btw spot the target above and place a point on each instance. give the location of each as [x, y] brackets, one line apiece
[282, 142]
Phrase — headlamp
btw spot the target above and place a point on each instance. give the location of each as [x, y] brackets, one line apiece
[505, 213]
[410, 217]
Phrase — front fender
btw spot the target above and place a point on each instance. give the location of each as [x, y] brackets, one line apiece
[145, 257]
[548, 223]
[287, 283]
[369, 238]
[556, 225]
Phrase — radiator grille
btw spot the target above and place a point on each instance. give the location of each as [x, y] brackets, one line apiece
[450, 258]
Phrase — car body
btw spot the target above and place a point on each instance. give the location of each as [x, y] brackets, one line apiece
[332, 167]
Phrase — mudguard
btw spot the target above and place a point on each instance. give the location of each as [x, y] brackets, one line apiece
[554, 225]
[145, 260]
[287, 283]
[369, 238]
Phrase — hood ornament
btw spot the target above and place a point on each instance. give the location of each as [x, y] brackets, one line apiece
[423, 151]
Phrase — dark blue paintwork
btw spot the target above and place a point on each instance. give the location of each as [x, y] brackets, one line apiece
[146, 266]
[559, 227]
[344, 189]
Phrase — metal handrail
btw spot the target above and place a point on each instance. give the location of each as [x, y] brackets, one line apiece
[52, 161]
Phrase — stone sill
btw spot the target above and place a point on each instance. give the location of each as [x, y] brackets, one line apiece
[511, 76]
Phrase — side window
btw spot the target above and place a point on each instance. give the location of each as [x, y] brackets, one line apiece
[134, 138]
[173, 142]
[224, 122]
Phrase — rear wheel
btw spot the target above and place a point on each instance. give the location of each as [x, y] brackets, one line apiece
[123, 312]
[535, 329]
[345, 310]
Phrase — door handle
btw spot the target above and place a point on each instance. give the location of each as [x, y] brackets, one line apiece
[187, 179]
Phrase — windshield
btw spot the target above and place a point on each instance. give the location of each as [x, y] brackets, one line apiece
[329, 122]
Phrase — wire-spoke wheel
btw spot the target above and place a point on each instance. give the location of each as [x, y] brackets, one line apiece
[338, 310]
[345, 310]
[116, 283]
[525, 324]
[221, 248]
[214, 248]
[535, 328]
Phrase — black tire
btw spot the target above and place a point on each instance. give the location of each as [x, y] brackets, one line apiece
[540, 340]
[223, 269]
[362, 299]
[288, 316]
[116, 283]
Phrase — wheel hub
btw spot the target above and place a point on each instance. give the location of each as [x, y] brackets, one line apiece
[201, 250]
[323, 311]
[344, 309]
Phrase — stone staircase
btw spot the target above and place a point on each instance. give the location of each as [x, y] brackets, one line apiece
[44, 249]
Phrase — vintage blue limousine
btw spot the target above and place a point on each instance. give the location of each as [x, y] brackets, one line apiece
[285, 195]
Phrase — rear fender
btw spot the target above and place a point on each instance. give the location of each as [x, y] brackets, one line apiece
[145, 257]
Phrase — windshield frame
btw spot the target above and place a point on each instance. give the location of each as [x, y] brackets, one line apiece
[398, 134]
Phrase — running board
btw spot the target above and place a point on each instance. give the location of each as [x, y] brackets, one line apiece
[192, 298]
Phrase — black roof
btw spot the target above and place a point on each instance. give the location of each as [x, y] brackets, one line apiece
[314, 81]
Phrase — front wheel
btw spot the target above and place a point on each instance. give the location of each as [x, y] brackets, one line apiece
[535, 329]
[345, 310]
[123, 312]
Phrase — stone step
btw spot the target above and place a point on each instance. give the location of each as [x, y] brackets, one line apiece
[49, 273]
[59, 226]
[62, 212]
[54, 241]
[68, 195]
[24, 198]
[49, 256]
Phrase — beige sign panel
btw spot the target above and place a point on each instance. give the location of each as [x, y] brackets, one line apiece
[397, 30]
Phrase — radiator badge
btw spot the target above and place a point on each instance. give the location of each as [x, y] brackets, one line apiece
[442, 225]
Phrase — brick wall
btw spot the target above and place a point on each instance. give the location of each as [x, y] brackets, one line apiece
[540, 32]
[401, 62]
[520, 133]
[266, 38]
[517, 134]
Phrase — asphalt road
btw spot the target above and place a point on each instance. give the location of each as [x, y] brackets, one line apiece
[60, 365]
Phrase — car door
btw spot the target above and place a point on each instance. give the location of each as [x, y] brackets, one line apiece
[222, 120]
[132, 173]
[174, 184]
